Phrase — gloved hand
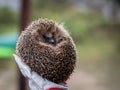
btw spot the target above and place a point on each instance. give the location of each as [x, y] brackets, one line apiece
[36, 82]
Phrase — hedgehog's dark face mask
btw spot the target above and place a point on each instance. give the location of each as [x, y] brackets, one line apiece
[49, 38]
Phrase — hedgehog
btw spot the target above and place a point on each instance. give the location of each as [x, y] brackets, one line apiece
[48, 49]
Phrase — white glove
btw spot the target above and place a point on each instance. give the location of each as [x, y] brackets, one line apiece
[36, 82]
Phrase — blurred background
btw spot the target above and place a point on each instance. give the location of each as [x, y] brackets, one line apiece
[94, 26]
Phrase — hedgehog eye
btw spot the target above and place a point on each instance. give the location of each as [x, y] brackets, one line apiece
[61, 39]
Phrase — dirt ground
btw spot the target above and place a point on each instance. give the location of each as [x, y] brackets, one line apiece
[79, 80]
[82, 80]
[8, 79]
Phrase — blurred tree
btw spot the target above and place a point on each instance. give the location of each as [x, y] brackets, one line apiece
[116, 1]
[114, 9]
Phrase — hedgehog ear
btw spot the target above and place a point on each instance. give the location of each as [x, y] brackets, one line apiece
[25, 70]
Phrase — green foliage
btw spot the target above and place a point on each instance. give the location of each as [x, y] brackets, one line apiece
[8, 29]
[7, 16]
[54, 4]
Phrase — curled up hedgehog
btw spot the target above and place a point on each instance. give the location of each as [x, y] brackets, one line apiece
[48, 49]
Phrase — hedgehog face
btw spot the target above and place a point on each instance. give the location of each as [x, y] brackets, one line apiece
[49, 38]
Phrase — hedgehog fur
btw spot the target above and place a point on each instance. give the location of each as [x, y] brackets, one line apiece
[53, 61]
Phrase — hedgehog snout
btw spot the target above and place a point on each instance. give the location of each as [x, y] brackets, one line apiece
[49, 38]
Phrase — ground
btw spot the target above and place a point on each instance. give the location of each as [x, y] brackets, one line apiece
[79, 80]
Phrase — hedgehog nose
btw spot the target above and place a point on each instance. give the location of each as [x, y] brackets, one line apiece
[51, 41]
